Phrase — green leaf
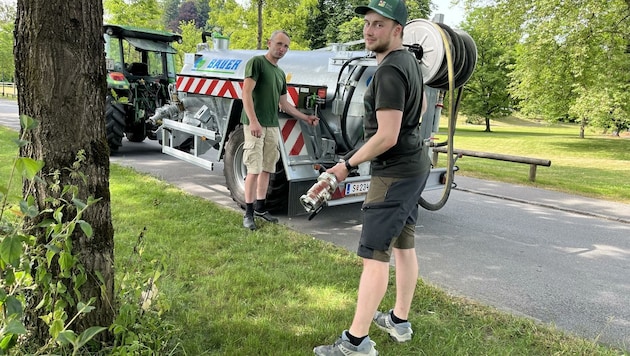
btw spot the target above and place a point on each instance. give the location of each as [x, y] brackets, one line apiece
[49, 255]
[20, 143]
[58, 214]
[15, 327]
[9, 276]
[13, 306]
[56, 327]
[89, 334]
[79, 204]
[86, 227]
[11, 249]
[7, 342]
[28, 167]
[28, 209]
[27, 122]
[66, 262]
[61, 288]
[67, 337]
[84, 308]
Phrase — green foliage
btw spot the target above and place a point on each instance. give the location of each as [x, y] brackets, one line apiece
[191, 36]
[567, 54]
[7, 20]
[486, 93]
[139, 13]
[139, 328]
[26, 264]
[240, 22]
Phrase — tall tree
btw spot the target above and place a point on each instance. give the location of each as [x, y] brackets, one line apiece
[60, 75]
[7, 21]
[486, 93]
[187, 13]
[564, 49]
[241, 22]
[203, 10]
[140, 13]
[171, 11]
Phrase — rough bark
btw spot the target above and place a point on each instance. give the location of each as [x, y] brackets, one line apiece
[60, 76]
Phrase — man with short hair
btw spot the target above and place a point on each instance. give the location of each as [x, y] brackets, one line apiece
[264, 89]
[394, 104]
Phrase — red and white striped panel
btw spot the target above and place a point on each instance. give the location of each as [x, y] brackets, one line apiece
[292, 137]
[232, 89]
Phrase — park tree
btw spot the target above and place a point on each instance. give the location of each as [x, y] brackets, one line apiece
[7, 20]
[139, 13]
[566, 55]
[203, 11]
[169, 16]
[187, 13]
[241, 22]
[486, 93]
[60, 75]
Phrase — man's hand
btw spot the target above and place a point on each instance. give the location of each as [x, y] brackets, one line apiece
[339, 170]
[255, 129]
[312, 120]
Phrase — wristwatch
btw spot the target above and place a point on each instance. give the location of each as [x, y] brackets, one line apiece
[349, 167]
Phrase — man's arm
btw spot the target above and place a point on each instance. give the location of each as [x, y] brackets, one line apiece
[248, 105]
[386, 136]
[293, 111]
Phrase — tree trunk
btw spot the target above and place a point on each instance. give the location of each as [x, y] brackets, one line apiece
[60, 76]
[487, 125]
[260, 24]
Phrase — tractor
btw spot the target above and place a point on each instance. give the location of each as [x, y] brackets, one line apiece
[140, 66]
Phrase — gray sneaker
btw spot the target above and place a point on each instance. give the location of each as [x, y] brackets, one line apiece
[398, 332]
[343, 347]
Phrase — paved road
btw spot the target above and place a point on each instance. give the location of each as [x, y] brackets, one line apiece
[554, 257]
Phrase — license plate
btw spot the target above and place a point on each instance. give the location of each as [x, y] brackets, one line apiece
[357, 188]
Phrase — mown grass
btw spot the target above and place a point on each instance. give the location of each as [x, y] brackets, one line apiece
[274, 291]
[596, 166]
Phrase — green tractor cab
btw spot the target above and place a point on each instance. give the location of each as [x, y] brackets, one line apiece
[140, 67]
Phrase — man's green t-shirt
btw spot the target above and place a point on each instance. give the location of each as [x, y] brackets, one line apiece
[270, 85]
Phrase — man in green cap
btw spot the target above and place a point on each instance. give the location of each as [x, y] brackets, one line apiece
[393, 107]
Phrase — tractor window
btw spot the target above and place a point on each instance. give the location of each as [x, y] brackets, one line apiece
[153, 60]
[113, 55]
[155, 64]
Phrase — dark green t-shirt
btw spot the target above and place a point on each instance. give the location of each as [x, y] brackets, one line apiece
[397, 84]
[270, 85]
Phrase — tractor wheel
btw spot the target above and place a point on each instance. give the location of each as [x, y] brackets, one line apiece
[114, 122]
[233, 168]
[278, 193]
[137, 133]
[235, 173]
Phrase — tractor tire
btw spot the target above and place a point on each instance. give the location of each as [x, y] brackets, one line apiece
[233, 168]
[235, 172]
[137, 133]
[114, 122]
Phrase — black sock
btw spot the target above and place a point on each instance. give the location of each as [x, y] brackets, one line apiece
[260, 205]
[249, 209]
[396, 319]
[356, 341]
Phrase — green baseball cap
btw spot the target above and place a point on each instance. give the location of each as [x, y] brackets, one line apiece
[392, 9]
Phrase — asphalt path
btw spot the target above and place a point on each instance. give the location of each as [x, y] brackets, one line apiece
[556, 258]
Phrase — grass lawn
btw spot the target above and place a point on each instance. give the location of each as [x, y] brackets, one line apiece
[596, 166]
[227, 291]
